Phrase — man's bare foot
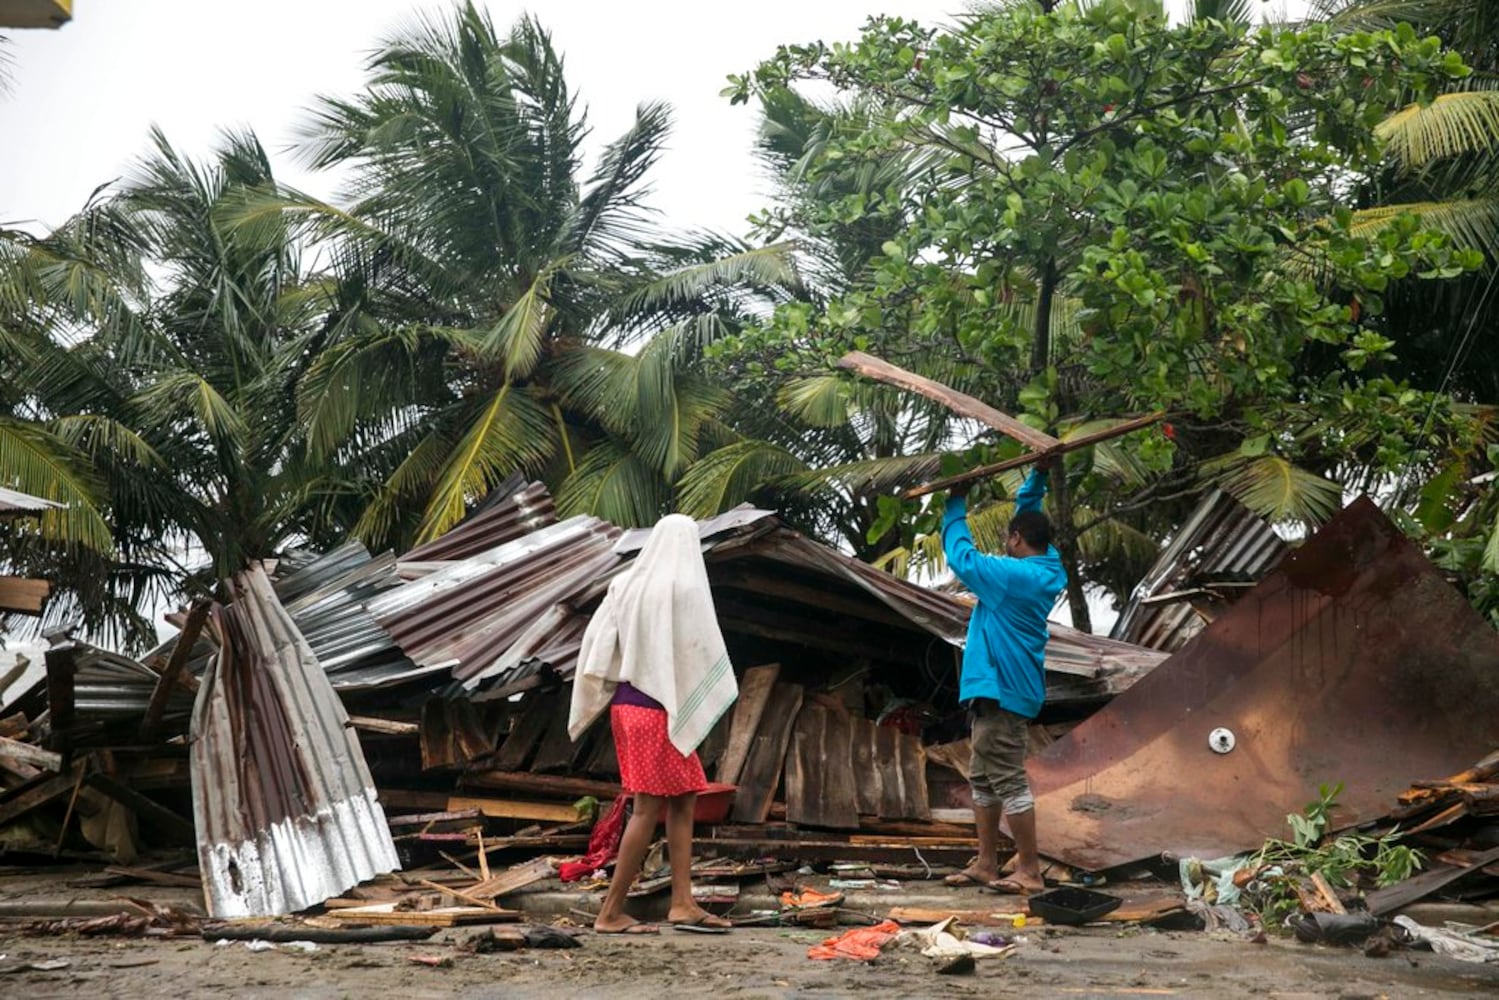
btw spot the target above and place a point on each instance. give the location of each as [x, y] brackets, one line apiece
[695, 916]
[623, 925]
[971, 876]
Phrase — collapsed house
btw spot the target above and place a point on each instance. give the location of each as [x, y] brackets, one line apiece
[452, 664]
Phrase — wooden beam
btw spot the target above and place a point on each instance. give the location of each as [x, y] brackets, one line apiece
[1073, 444]
[551, 812]
[385, 727]
[865, 606]
[27, 753]
[960, 403]
[560, 786]
[175, 668]
[62, 669]
[19, 801]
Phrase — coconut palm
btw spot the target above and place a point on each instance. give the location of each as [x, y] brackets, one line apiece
[496, 312]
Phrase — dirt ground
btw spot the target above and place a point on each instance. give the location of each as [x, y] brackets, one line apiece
[1053, 962]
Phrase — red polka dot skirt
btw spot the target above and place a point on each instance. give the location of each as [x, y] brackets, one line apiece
[648, 762]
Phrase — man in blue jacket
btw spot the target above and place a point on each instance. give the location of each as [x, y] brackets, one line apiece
[1003, 681]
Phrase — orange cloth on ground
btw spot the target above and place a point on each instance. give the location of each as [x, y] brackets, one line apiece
[859, 943]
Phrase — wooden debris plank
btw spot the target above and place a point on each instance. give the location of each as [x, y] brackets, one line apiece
[471, 739]
[436, 737]
[174, 671]
[550, 785]
[892, 792]
[832, 850]
[442, 916]
[867, 774]
[604, 760]
[533, 716]
[30, 754]
[14, 725]
[767, 754]
[459, 894]
[383, 727]
[419, 819]
[19, 801]
[514, 879]
[820, 770]
[711, 750]
[960, 403]
[1001, 916]
[755, 688]
[1391, 898]
[552, 812]
[155, 877]
[410, 798]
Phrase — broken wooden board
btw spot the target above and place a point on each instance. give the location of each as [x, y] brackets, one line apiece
[548, 785]
[550, 812]
[557, 753]
[442, 916]
[513, 879]
[767, 755]
[900, 764]
[820, 770]
[893, 851]
[754, 691]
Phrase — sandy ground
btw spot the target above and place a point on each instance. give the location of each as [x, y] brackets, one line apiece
[1062, 962]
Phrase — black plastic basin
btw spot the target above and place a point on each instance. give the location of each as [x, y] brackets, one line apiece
[1072, 905]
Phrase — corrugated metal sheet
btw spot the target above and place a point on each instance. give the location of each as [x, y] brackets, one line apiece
[286, 812]
[14, 503]
[517, 514]
[1220, 552]
[1354, 661]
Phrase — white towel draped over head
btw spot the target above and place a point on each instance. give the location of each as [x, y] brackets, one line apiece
[657, 630]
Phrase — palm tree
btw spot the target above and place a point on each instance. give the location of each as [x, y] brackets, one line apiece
[496, 312]
[163, 338]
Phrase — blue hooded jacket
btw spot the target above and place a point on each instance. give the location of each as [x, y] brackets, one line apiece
[1005, 652]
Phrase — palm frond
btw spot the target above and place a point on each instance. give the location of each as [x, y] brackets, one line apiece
[817, 400]
[612, 483]
[730, 475]
[1451, 125]
[510, 433]
[520, 335]
[1471, 223]
[38, 463]
[180, 395]
[772, 265]
[1275, 489]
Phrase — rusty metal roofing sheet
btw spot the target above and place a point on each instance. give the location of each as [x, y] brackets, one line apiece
[1221, 540]
[15, 503]
[520, 513]
[1352, 661]
[286, 812]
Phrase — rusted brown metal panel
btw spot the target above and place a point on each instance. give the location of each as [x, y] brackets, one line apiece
[1353, 661]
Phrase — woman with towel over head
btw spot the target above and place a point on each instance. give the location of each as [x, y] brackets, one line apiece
[654, 656]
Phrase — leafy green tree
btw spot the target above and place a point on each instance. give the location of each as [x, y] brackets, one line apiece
[497, 311]
[1174, 190]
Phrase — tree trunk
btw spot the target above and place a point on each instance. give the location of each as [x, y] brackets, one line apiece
[1061, 498]
[1065, 540]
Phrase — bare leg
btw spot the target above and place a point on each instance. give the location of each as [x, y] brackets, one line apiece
[1027, 864]
[684, 909]
[986, 868]
[632, 847]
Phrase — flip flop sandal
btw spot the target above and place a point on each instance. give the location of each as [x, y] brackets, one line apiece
[636, 928]
[962, 880]
[706, 924]
[1009, 887]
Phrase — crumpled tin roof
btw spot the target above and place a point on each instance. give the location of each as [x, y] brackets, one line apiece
[1353, 661]
[285, 809]
[14, 503]
[1222, 543]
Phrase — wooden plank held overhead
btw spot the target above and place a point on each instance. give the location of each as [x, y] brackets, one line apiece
[1041, 444]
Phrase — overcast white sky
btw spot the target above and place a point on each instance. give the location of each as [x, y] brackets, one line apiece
[84, 97]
